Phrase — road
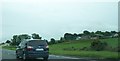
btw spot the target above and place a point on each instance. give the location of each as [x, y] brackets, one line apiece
[9, 55]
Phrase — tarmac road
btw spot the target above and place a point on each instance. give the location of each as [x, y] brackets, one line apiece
[9, 55]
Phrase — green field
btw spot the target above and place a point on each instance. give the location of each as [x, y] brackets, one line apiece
[58, 49]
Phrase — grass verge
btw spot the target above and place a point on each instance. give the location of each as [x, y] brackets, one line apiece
[9, 47]
[58, 49]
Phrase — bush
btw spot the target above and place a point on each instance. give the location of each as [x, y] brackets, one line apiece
[60, 41]
[98, 45]
[52, 41]
[117, 49]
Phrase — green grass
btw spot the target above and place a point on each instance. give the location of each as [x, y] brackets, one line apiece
[58, 49]
[9, 47]
[112, 41]
[92, 54]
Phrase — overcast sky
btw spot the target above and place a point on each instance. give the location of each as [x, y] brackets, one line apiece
[51, 18]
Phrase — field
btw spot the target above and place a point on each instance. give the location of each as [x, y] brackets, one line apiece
[58, 49]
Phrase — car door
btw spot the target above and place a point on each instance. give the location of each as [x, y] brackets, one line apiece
[20, 49]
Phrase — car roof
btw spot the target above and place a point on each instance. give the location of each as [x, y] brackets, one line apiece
[33, 39]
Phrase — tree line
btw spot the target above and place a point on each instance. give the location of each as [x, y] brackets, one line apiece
[16, 39]
[99, 34]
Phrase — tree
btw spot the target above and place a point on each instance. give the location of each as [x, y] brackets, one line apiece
[113, 32]
[80, 35]
[52, 41]
[75, 36]
[92, 34]
[86, 32]
[107, 33]
[61, 40]
[18, 38]
[69, 36]
[98, 32]
[36, 36]
[8, 41]
[2, 43]
[14, 40]
[24, 36]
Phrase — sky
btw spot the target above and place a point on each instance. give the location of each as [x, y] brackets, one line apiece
[51, 18]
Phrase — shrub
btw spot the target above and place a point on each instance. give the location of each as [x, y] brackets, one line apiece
[98, 45]
[52, 41]
[60, 41]
[117, 49]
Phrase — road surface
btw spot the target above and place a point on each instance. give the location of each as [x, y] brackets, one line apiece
[9, 55]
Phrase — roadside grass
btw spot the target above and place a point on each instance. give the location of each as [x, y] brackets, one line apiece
[58, 49]
[9, 47]
[111, 41]
[82, 43]
[87, 54]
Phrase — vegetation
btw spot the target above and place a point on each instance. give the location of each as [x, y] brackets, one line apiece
[52, 41]
[67, 37]
[76, 48]
[87, 44]
[9, 47]
[98, 45]
[36, 36]
[8, 41]
[18, 38]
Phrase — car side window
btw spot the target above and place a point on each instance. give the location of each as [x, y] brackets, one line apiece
[21, 44]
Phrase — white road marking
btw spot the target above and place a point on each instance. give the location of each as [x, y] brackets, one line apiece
[64, 57]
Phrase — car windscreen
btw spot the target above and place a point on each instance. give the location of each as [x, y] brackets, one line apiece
[37, 42]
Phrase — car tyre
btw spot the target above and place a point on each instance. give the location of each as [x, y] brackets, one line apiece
[24, 57]
[45, 58]
[17, 57]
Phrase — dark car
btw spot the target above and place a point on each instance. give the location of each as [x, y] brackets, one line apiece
[29, 49]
